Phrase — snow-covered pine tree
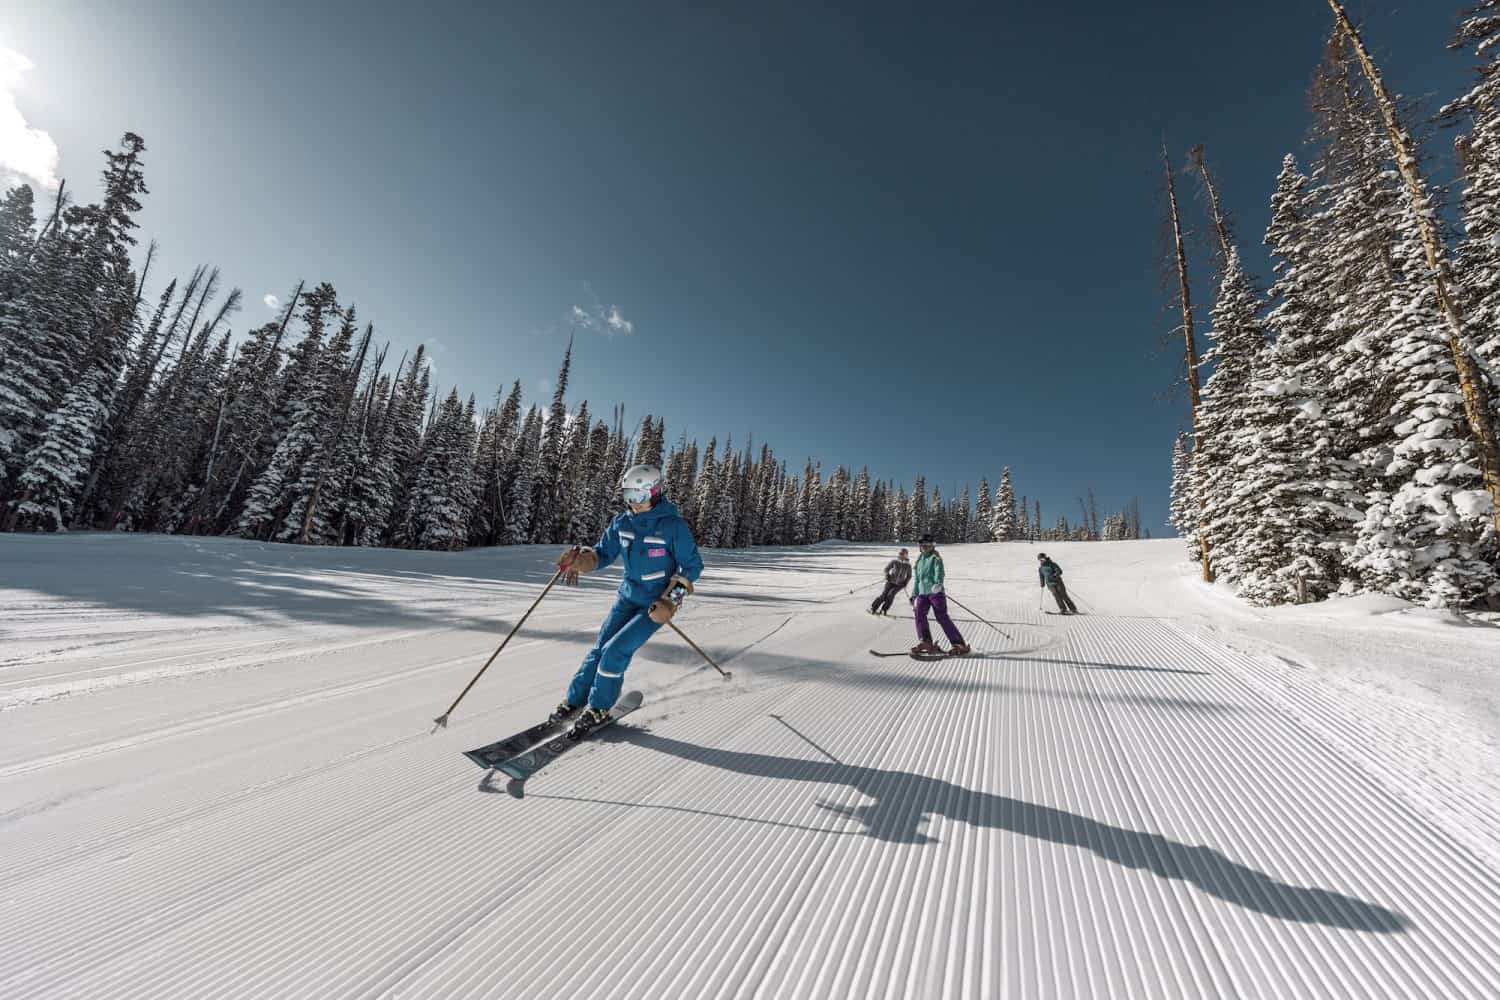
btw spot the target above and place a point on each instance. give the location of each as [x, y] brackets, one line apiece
[917, 514]
[1427, 535]
[705, 497]
[964, 528]
[547, 525]
[747, 520]
[838, 504]
[574, 492]
[1023, 526]
[55, 467]
[1478, 253]
[519, 505]
[598, 507]
[1003, 524]
[442, 497]
[901, 510]
[323, 477]
[77, 280]
[1230, 415]
[862, 527]
[17, 232]
[1424, 221]
[984, 513]
[1182, 514]
[306, 391]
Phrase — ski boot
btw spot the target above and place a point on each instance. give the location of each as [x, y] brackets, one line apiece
[590, 720]
[563, 712]
[960, 649]
[926, 649]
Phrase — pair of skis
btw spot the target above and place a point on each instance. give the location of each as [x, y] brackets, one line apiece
[520, 756]
[939, 655]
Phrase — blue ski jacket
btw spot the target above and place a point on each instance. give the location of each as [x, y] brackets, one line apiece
[655, 546]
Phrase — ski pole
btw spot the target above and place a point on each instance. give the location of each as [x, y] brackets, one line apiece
[700, 652]
[441, 722]
[976, 615]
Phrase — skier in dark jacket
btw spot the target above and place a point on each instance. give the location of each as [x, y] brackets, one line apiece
[897, 575]
[661, 564]
[1051, 577]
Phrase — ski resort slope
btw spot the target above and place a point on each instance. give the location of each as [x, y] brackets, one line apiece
[218, 778]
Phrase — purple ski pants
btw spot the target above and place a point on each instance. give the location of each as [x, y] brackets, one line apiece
[938, 604]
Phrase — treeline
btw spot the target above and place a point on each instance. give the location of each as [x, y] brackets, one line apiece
[122, 414]
[1345, 440]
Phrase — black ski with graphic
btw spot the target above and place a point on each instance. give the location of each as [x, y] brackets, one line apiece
[524, 765]
[492, 754]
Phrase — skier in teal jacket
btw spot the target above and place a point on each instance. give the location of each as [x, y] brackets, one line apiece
[927, 595]
[661, 563]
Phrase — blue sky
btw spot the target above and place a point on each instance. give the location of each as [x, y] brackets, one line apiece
[918, 237]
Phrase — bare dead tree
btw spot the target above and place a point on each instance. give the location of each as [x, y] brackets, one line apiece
[1477, 408]
[1185, 298]
[1215, 208]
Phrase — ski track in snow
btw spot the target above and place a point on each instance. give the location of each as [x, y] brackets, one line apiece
[1131, 805]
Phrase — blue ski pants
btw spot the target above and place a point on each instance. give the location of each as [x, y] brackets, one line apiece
[602, 672]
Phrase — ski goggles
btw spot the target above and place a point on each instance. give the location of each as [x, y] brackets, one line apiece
[638, 494]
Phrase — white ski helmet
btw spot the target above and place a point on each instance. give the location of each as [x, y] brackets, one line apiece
[641, 483]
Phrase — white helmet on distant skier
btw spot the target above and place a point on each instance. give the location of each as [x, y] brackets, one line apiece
[641, 484]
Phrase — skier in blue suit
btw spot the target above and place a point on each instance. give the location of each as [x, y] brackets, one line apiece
[661, 563]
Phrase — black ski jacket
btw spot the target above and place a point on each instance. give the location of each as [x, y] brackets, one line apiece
[897, 573]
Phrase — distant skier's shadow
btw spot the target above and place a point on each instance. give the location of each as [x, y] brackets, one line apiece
[902, 802]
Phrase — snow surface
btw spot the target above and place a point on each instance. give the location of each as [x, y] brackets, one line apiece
[217, 777]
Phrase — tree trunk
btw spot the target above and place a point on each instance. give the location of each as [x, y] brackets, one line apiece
[1221, 224]
[1192, 351]
[1477, 408]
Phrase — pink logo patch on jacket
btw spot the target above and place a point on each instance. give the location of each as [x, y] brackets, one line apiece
[656, 553]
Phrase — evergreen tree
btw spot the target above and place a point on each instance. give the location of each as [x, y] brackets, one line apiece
[984, 514]
[918, 513]
[547, 526]
[519, 509]
[1183, 516]
[1003, 524]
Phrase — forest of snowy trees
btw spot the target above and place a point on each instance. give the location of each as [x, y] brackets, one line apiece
[119, 413]
[1344, 441]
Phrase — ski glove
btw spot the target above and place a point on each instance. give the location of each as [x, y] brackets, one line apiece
[577, 560]
[664, 607]
[937, 588]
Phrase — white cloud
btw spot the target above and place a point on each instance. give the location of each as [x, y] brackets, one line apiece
[608, 321]
[619, 323]
[26, 153]
[271, 301]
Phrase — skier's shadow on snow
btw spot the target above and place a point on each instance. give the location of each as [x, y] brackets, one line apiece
[901, 803]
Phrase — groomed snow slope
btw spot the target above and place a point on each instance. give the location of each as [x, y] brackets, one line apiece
[217, 778]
